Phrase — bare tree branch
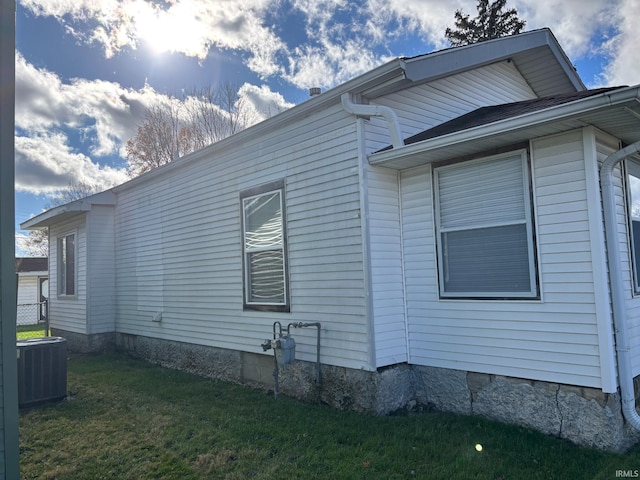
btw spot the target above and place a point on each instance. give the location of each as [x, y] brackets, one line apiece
[201, 117]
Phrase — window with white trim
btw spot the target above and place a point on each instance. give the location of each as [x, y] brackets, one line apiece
[264, 246]
[67, 265]
[484, 228]
[633, 197]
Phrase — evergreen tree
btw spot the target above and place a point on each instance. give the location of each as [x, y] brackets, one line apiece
[491, 22]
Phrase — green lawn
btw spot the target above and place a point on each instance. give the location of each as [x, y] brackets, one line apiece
[126, 419]
[30, 331]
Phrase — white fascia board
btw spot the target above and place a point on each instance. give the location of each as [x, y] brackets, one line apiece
[47, 218]
[456, 59]
[447, 62]
[565, 111]
[43, 273]
[83, 205]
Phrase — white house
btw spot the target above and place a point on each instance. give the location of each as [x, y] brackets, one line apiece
[33, 289]
[441, 218]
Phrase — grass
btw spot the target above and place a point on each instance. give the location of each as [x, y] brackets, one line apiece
[127, 419]
[30, 331]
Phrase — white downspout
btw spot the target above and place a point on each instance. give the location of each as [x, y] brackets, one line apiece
[376, 111]
[623, 351]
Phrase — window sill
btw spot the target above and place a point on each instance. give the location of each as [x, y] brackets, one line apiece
[67, 297]
[267, 308]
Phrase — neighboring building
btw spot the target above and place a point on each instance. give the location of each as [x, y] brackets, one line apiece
[33, 289]
[441, 217]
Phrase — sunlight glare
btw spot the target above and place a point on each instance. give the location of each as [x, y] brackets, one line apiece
[173, 30]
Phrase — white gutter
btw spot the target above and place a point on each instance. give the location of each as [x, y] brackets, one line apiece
[82, 205]
[623, 351]
[387, 113]
[565, 111]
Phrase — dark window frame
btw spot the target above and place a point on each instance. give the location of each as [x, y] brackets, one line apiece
[67, 256]
[256, 192]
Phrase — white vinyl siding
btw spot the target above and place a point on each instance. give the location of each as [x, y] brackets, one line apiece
[100, 270]
[28, 288]
[605, 146]
[69, 312]
[179, 244]
[387, 279]
[418, 108]
[554, 339]
[484, 231]
[625, 213]
[425, 106]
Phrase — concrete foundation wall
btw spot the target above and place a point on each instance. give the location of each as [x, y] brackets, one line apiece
[585, 416]
[78, 342]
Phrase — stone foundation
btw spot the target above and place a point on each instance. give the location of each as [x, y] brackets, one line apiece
[585, 416]
[78, 342]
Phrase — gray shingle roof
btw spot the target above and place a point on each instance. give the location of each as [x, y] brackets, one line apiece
[494, 113]
[32, 264]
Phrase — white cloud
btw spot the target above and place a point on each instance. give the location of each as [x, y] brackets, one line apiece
[428, 20]
[337, 39]
[189, 27]
[329, 64]
[45, 164]
[622, 48]
[340, 44]
[264, 102]
[103, 114]
[103, 109]
[592, 29]
[584, 29]
[575, 23]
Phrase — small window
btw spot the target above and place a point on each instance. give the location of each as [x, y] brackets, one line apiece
[67, 265]
[484, 229]
[633, 184]
[264, 245]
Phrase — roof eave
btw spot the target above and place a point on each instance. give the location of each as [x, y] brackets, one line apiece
[447, 62]
[418, 153]
[33, 273]
[48, 217]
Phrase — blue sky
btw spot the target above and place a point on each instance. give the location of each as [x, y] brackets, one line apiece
[86, 69]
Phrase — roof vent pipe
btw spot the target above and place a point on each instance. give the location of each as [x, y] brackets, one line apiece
[314, 91]
[623, 350]
[387, 113]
